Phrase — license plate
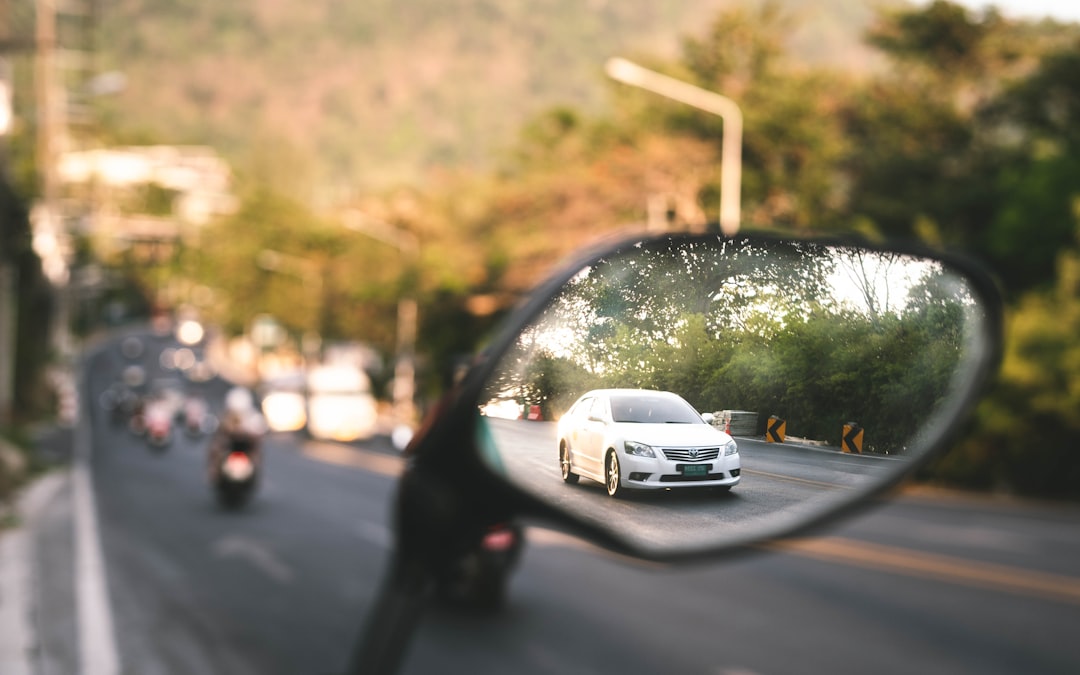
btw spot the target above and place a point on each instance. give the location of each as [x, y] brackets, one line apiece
[693, 469]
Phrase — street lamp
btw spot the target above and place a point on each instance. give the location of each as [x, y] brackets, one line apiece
[731, 143]
[407, 312]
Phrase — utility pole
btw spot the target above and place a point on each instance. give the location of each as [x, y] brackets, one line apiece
[49, 232]
[52, 240]
[48, 109]
[8, 281]
[407, 310]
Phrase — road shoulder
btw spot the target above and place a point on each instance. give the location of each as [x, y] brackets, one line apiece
[18, 636]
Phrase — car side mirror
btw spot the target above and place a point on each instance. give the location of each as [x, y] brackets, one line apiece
[838, 368]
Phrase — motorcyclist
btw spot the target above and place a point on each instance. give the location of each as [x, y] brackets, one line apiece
[240, 421]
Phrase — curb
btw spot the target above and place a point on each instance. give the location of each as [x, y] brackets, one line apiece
[18, 637]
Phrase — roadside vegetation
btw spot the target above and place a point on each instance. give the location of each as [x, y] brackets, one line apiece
[753, 326]
[963, 132]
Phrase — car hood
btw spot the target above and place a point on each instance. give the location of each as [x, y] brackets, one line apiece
[672, 435]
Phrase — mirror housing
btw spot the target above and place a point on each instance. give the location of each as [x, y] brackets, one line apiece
[456, 450]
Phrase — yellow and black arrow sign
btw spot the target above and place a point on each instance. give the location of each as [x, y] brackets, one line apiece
[776, 430]
[853, 438]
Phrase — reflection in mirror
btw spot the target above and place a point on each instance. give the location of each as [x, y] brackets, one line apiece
[797, 373]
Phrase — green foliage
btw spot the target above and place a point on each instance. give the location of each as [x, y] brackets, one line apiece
[1027, 432]
[274, 256]
[376, 93]
[33, 309]
[1033, 224]
[943, 36]
[967, 137]
[653, 318]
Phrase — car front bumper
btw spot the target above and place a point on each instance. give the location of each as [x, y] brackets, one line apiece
[652, 473]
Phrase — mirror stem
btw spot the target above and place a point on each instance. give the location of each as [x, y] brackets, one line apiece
[393, 620]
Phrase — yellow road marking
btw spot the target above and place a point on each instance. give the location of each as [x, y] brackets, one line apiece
[831, 549]
[792, 479]
[934, 566]
[333, 453]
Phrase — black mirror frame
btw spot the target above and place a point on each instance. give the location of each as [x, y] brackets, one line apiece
[448, 448]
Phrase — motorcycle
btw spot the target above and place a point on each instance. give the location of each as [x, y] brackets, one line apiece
[235, 470]
[470, 472]
[196, 418]
[479, 577]
[157, 424]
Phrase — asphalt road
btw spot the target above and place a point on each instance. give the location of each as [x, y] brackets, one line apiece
[926, 583]
[778, 482]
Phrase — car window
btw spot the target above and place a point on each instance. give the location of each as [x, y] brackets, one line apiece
[652, 410]
[581, 408]
[598, 410]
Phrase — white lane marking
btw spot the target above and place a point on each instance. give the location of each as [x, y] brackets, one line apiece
[245, 548]
[98, 654]
[374, 533]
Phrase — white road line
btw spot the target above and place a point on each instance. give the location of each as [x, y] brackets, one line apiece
[98, 654]
[374, 533]
[254, 552]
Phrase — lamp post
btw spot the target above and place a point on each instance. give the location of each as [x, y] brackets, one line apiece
[731, 143]
[407, 311]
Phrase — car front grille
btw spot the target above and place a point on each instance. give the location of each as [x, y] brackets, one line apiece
[677, 478]
[688, 454]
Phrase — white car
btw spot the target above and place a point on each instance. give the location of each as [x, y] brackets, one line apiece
[340, 406]
[645, 439]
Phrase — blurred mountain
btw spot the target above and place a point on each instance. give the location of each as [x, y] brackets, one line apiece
[362, 95]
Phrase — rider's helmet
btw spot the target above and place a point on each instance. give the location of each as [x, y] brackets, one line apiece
[240, 413]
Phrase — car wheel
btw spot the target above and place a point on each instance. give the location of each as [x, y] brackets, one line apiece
[614, 478]
[564, 461]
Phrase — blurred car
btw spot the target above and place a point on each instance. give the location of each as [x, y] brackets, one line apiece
[340, 405]
[283, 402]
[644, 439]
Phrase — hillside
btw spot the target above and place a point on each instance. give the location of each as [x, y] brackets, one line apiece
[355, 95]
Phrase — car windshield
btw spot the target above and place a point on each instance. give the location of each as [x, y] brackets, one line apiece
[652, 410]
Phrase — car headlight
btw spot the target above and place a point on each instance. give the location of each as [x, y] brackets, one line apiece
[638, 449]
[730, 448]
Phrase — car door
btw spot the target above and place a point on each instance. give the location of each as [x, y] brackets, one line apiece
[574, 433]
[591, 441]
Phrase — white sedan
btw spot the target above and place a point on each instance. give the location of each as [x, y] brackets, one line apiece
[639, 438]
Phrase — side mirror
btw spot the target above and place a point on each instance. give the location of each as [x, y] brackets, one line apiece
[838, 367]
[845, 365]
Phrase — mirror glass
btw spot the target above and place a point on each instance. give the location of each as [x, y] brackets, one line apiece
[687, 392]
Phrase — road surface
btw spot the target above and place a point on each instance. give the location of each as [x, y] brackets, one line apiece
[927, 584]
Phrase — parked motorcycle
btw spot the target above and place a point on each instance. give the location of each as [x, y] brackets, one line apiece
[622, 307]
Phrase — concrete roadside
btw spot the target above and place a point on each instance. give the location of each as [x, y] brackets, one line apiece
[18, 635]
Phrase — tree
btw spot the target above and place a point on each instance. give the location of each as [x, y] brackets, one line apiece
[1038, 123]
